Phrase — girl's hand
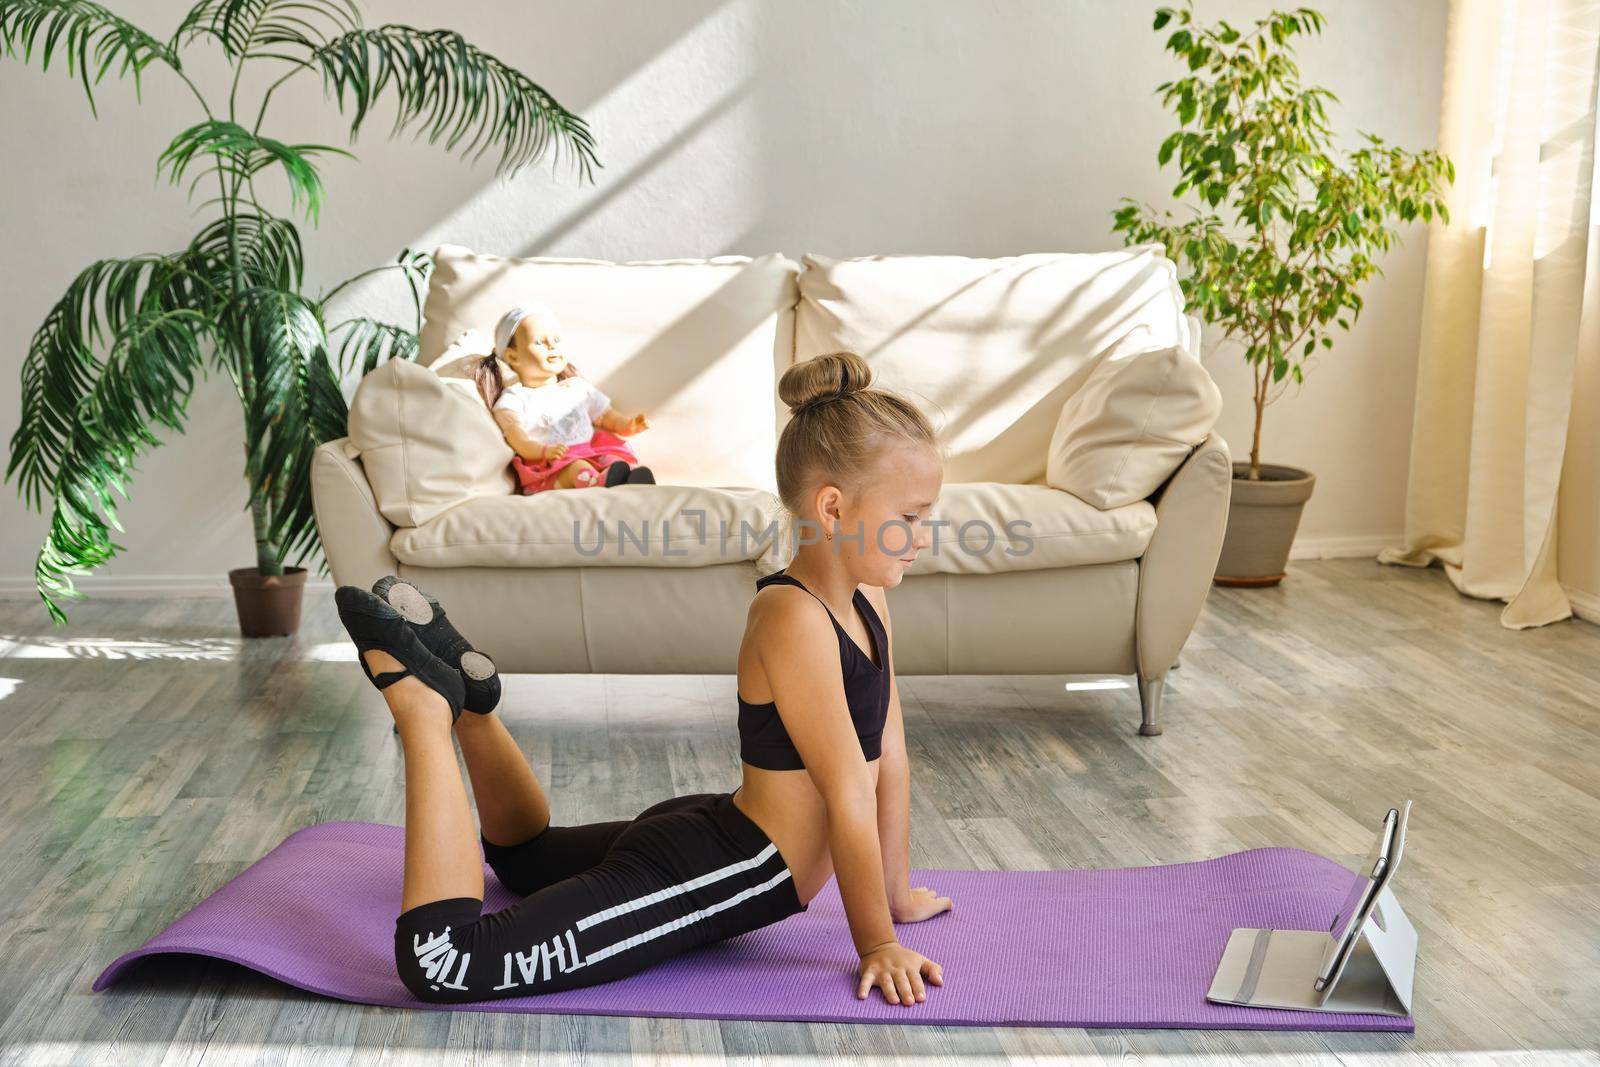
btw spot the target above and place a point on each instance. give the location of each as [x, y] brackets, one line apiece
[554, 452]
[897, 971]
[637, 424]
[923, 903]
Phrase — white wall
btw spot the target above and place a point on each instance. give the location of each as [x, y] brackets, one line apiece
[745, 126]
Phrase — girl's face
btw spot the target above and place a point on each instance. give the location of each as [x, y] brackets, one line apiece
[535, 348]
[880, 520]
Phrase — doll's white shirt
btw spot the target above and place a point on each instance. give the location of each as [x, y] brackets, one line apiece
[561, 413]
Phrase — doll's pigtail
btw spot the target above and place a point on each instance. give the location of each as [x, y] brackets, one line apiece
[487, 376]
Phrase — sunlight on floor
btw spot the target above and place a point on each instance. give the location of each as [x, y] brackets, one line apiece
[211, 649]
[332, 652]
[8, 686]
[203, 648]
[1098, 683]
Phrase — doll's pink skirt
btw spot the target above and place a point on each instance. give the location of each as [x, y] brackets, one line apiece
[604, 448]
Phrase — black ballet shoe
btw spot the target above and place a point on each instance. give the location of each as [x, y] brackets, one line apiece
[641, 476]
[617, 473]
[374, 625]
[427, 618]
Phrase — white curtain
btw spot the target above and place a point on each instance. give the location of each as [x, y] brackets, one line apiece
[1512, 294]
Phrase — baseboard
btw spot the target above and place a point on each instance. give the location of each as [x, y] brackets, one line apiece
[1585, 606]
[158, 585]
[1341, 547]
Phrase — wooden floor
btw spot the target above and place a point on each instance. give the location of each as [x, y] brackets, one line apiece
[149, 755]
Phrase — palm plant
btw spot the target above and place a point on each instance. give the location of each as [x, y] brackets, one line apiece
[119, 353]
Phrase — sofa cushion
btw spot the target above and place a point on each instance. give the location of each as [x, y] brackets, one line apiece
[1134, 421]
[424, 444]
[993, 527]
[996, 527]
[628, 526]
[990, 348]
[694, 344]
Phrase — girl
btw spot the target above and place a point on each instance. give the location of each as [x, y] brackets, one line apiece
[825, 789]
[563, 429]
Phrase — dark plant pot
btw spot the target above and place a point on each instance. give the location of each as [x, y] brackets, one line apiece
[1262, 519]
[269, 606]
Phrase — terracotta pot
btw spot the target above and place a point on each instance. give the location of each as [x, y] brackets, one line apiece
[269, 606]
[1262, 520]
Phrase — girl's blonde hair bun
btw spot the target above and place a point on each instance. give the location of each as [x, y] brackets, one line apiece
[838, 424]
[829, 377]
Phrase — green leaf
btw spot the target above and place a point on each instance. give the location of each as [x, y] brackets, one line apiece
[369, 343]
[259, 28]
[240, 154]
[87, 417]
[279, 342]
[62, 364]
[1163, 16]
[89, 38]
[450, 89]
[1164, 154]
[269, 252]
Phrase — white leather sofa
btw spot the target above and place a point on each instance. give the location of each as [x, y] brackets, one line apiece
[1075, 417]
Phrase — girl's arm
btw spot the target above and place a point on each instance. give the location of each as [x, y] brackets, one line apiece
[894, 809]
[521, 443]
[799, 654]
[894, 783]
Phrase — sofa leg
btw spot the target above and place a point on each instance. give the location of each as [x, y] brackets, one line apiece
[1150, 705]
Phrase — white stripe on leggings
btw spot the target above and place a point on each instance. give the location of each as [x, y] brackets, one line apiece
[682, 921]
[682, 887]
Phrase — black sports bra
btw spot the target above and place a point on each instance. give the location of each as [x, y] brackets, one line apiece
[763, 741]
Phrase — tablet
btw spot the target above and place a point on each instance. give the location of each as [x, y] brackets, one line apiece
[1370, 880]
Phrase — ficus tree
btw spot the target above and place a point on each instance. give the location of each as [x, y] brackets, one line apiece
[118, 356]
[1307, 218]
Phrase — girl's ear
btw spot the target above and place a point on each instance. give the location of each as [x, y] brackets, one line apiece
[829, 499]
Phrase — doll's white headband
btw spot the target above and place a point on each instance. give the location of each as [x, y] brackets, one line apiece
[508, 325]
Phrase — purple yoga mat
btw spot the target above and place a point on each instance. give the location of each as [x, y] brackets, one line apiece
[1129, 947]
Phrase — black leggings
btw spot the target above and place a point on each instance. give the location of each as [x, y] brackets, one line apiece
[601, 901]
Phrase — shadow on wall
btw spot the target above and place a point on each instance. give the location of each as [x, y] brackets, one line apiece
[582, 53]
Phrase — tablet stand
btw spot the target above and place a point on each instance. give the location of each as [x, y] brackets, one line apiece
[1368, 952]
[1278, 968]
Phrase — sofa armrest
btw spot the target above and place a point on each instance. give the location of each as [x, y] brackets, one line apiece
[1177, 567]
[355, 535]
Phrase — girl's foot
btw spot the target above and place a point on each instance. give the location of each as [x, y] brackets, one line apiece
[411, 702]
[375, 627]
[641, 476]
[617, 473]
[426, 617]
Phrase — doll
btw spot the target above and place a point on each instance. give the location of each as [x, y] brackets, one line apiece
[563, 429]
